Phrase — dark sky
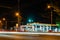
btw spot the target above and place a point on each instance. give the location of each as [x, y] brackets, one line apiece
[35, 9]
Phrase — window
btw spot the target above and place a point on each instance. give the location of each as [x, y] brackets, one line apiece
[38, 26]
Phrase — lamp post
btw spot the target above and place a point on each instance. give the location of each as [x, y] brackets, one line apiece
[18, 17]
[5, 22]
[17, 14]
[0, 24]
[17, 26]
[49, 7]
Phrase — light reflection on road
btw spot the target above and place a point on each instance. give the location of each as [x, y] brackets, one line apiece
[28, 37]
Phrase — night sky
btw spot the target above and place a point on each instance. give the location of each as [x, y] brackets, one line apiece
[33, 9]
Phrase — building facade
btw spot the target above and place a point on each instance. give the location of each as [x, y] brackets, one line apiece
[38, 27]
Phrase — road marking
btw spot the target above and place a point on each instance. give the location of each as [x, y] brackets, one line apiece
[30, 33]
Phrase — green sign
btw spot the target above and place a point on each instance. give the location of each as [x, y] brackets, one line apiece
[58, 24]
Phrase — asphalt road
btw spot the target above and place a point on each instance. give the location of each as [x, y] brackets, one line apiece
[29, 37]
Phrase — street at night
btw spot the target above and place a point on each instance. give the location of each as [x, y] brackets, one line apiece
[29, 37]
[29, 19]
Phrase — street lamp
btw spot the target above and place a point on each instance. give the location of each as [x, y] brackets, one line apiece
[5, 22]
[17, 14]
[50, 7]
[4, 19]
[0, 24]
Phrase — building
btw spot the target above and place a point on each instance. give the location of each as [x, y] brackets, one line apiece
[39, 27]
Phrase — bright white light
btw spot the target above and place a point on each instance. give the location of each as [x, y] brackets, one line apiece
[30, 20]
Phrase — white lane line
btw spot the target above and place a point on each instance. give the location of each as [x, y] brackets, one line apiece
[30, 33]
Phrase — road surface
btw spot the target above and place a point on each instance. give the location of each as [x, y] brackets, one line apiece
[28, 37]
